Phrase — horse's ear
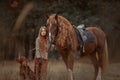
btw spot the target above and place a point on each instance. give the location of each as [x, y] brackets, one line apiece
[56, 16]
[47, 16]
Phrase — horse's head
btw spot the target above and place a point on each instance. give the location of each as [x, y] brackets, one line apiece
[52, 27]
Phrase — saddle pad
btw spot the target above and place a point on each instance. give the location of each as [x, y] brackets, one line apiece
[86, 35]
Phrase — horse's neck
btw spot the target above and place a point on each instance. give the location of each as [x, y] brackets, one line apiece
[65, 34]
[64, 28]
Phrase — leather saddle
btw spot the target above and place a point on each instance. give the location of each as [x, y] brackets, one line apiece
[84, 35]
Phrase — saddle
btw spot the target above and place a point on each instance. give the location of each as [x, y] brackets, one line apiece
[84, 35]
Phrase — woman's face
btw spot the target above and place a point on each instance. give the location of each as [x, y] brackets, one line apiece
[43, 32]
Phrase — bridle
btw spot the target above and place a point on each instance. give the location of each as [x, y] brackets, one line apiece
[50, 39]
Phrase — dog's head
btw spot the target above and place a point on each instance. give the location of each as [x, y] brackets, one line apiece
[22, 60]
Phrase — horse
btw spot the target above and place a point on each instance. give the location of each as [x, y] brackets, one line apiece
[62, 34]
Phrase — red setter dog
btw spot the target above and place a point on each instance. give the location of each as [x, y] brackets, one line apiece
[24, 70]
[27, 74]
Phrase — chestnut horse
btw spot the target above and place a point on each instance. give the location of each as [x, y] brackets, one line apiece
[63, 35]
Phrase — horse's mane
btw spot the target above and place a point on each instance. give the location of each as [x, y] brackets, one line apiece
[67, 24]
[66, 32]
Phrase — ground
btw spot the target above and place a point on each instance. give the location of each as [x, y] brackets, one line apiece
[83, 70]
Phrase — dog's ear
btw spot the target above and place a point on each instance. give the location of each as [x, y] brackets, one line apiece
[18, 60]
[21, 60]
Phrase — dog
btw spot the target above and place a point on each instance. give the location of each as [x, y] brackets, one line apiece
[24, 70]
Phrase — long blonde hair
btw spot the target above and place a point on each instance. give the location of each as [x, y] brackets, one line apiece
[42, 41]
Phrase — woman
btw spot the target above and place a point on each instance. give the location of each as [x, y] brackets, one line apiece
[41, 56]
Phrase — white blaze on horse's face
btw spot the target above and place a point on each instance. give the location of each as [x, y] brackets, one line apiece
[52, 29]
[50, 36]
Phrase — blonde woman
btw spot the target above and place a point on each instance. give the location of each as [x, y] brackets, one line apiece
[41, 55]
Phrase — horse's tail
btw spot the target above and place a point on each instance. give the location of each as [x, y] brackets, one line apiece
[104, 55]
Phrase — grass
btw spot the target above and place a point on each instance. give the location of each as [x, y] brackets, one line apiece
[57, 70]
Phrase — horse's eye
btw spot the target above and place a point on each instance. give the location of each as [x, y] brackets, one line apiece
[48, 25]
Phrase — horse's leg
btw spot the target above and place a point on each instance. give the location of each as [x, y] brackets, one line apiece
[99, 76]
[69, 61]
[103, 59]
[101, 66]
[95, 64]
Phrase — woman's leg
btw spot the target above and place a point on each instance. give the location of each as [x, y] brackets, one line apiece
[44, 69]
[37, 68]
